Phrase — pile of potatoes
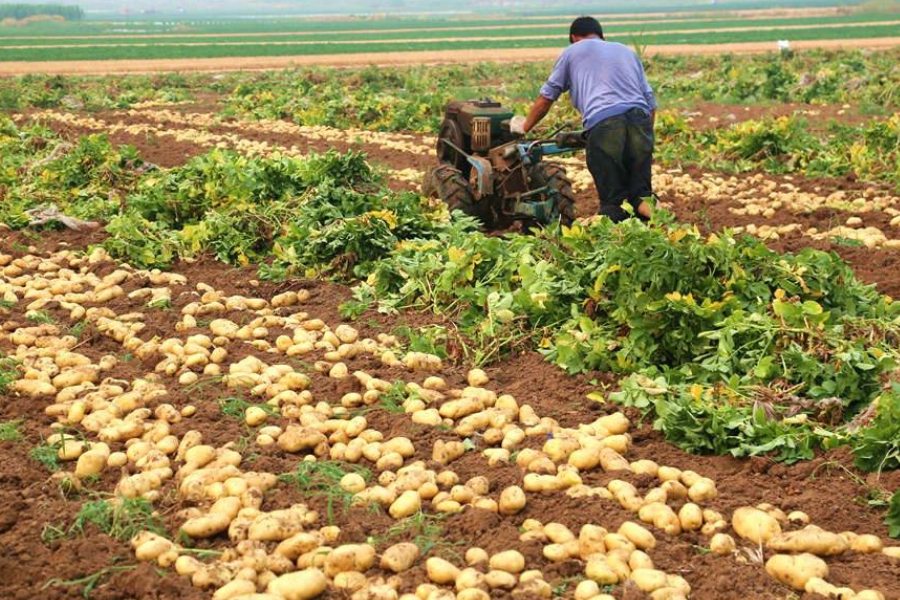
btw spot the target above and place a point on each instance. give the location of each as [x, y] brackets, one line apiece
[284, 553]
[610, 558]
[798, 561]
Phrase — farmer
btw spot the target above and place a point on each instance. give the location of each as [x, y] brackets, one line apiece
[610, 90]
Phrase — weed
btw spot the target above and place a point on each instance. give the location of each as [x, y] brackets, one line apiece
[160, 304]
[422, 529]
[892, 519]
[561, 586]
[78, 328]
[53, 533]
[89, 582]
[47, 455]
[40, 317]
[9, 372]
[323, 479]
[120, 518]
[7, 304]
[392, 400]
[203, 383]
[236, 408]
[201, 553]
[9, 431]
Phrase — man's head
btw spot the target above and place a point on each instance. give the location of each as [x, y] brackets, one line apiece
[584, 28]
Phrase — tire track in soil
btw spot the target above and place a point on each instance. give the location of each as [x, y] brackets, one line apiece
[826, 493]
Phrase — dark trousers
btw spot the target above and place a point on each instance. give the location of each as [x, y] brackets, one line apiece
[619, 157]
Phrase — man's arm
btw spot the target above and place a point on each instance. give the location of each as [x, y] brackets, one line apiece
[556, 85]
[538, 111]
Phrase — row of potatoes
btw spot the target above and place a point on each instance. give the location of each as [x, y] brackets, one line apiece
[211, 477]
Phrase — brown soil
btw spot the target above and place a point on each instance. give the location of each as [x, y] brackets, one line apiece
[826, 488]
[84, 67]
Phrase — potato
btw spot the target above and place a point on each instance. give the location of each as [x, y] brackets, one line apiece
[91, 463]
[299, 543]
[512, 500]
[599, 571]
[649, 580]
[400, 557]
[153, 549]
[350, 557]
[586, 590]
[722, 543]
[796, 571]
[441, 571]
[558, 533]
[703, 490]
[408, 503]
[510, 561]
[500, 579]
[869, 595]
[755, 525]
[691, 517]
[299, 585]
[353, 483]
[866, 543]
[349, 581]
[811, 539]
[891, 551]
[477, 378]
[798, 517]
[234, 589]
[556, 552]
[476, 556]
[255, 416]
[473, 594]
[206, 526]
[611, 460]
[637, 535]
[33, 388]
[469, 578]
[661, 516]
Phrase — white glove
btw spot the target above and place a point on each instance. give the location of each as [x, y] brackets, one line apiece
[517, 125]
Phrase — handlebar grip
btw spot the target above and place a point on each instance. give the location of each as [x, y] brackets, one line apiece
[572, 139]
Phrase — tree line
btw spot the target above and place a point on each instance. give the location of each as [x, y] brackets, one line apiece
[23, 11]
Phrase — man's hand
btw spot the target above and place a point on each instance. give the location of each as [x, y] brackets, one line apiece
[517, 125]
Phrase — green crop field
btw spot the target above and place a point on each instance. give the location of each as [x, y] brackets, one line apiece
[212, 48]
[444, 31]
[270, 37]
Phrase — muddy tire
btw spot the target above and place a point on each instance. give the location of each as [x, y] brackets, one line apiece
[554, 177]
[449, 184]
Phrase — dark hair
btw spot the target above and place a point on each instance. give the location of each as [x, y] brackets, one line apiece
[583, 27]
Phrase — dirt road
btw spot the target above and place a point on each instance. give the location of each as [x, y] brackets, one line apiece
[398, 58]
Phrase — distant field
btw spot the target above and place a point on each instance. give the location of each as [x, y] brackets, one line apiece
[499, 31]
[96, 41]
